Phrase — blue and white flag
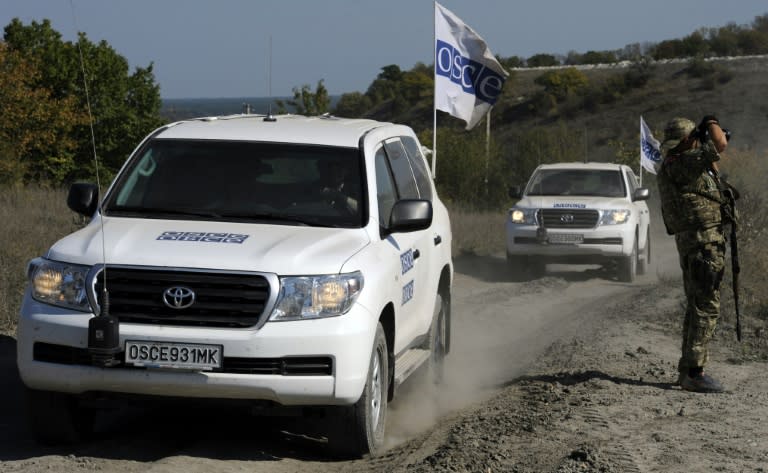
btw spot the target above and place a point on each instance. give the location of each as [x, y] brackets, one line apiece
[468, 78]
[650, 153]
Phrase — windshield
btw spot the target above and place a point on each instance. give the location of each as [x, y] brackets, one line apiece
[577, 182]
[242, 181]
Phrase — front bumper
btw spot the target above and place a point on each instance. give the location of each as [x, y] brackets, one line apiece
[596, 243]
[345, 340]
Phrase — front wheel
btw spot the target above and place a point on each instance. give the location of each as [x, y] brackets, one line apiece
[438, 340]
[57, 419]
[359, 429]
[644, 262]
[628, 265]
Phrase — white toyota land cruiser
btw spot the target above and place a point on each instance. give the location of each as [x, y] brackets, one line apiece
[580, 213]
[286, 261]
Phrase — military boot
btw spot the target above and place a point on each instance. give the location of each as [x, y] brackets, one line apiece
[700, 383]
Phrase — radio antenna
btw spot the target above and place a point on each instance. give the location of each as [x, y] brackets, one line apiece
[103, 330]
[269, 117]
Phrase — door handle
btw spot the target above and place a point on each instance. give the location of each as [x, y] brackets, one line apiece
[438, 239]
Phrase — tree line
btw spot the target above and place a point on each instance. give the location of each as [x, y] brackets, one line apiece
[45, 131]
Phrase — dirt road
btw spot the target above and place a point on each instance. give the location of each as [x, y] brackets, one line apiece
[570, 372]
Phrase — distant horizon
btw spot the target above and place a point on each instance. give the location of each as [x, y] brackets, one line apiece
[241, 46]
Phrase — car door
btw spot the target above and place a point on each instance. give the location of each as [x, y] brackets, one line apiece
[395, 181]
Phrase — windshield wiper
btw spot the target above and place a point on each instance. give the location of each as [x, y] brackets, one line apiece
[272, 217]
[164, 211]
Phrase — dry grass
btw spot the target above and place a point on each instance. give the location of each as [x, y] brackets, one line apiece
[33, 218]
[477, 232]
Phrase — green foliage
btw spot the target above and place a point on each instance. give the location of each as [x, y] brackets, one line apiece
[511, 62]
[465, 173]
[352, 105]
[530, 148]
[124, 106]
[542, 60]
[306, 102]
[562, 83]
[729, 40]
[36, 128]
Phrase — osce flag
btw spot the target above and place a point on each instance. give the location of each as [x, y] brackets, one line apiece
[468, 78]
[650, 154]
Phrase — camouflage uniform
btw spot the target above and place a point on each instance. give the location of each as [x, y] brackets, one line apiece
[691, 203]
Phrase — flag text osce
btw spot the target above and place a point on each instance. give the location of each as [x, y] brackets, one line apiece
[473, 77]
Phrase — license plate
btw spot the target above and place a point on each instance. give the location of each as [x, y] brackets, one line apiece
[565, 238]
[183, 356]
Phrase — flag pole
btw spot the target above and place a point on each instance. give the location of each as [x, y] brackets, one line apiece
[434, 92]
[487, 146]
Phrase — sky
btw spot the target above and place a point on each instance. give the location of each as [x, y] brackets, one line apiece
[207, 48]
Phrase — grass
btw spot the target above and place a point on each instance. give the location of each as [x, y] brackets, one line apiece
[477, 232]
[33, 218]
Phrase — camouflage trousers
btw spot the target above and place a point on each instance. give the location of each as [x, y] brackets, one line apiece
[702, 259]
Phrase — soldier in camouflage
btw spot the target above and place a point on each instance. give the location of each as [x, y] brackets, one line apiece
[692, 208]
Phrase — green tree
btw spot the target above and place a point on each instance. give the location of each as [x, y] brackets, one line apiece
[306, 102]
[124, 106]
[387, 84]
[352, 105]
[36, 128]
[542, 60]
[562, 83]
[465, 173]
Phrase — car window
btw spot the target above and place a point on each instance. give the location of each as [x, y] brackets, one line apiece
[230, 180]
[385, 188]
[418, 164]
[405, 182]
[577, 182]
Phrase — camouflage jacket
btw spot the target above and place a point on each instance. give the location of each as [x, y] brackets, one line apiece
[689, 188]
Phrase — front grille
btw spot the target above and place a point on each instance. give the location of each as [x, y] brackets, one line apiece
[221, 300]
[289, 366]
[568, 218]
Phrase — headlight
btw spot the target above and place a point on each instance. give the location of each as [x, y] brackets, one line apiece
[59, 284]
[313, 297]
[523, 216]
[614, 217]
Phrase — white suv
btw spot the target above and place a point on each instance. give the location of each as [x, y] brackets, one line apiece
[286, 261]
[580, 213]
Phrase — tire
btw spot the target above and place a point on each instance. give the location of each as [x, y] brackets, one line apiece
[628, 265]
[438, 338]
[644, 263]
[56, 418]
[525, 267]
[537, 268]
[516, 267]
[359, 429]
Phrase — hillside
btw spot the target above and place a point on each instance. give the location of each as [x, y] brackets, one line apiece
[739, 103]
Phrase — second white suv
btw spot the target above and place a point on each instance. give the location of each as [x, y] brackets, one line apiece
[277, 261]
[580, 213]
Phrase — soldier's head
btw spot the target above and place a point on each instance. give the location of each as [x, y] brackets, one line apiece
[675, 131]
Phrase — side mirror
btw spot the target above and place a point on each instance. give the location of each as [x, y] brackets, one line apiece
[410, 215]
[83, 198]
[515, 192]
[641, 193]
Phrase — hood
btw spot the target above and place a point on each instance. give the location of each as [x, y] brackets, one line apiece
[572, 202]
[279, 249]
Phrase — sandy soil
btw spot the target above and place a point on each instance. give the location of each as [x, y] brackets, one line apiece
[571, 372]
